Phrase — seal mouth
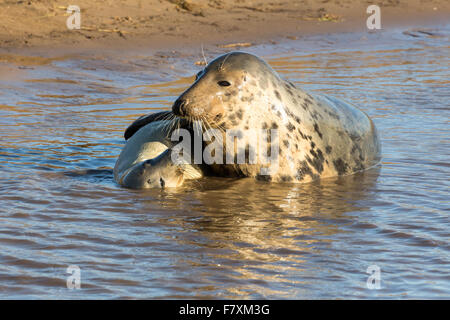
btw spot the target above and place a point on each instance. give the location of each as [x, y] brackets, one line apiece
[185, 109]
[181, 109]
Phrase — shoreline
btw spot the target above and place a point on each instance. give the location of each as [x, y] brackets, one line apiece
[176, 24]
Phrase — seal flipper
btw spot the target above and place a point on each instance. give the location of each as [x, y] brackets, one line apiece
[144, 120]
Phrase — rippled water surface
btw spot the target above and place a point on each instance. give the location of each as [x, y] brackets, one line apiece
[61, 126]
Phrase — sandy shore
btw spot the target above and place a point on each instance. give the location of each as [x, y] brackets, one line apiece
[178, 23]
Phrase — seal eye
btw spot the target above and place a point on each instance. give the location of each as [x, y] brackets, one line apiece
[224, 83]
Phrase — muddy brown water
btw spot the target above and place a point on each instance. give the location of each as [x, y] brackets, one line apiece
[61, 126]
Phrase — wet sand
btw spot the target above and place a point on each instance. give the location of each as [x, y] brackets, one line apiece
[180, 23]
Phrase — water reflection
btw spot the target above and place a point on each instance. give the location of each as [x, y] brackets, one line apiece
[251, 230]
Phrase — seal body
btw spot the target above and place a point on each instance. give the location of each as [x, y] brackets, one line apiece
[310, 136]
[317, 136]
[145, 161]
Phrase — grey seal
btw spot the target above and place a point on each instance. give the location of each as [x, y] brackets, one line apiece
[317, 136]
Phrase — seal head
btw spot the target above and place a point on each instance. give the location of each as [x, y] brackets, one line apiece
[220, 91]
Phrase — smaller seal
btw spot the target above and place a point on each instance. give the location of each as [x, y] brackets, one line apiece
[145, 161]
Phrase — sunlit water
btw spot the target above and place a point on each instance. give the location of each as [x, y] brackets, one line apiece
[61, 126]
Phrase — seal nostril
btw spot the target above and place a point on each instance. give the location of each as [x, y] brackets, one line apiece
[178, 107]
[162, 182]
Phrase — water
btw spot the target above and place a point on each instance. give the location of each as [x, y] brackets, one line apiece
[62, 121]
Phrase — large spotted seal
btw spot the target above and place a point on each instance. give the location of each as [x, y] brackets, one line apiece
[317, 136]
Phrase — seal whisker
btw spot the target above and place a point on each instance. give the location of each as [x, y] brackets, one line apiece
[174, 121]
[221, 68]
[203, 54]
[170, 119]
[206, 124]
